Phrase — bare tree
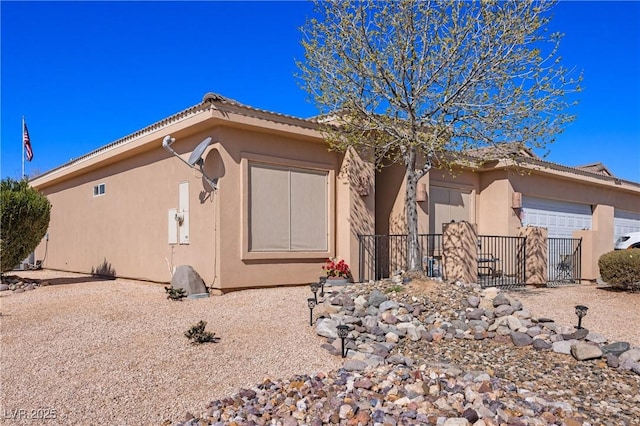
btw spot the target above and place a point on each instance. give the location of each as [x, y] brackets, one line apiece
[420, 82]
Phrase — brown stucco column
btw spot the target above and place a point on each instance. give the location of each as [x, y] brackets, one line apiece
[536, 254]
[460, 251]
[355, 207]
[597, 241]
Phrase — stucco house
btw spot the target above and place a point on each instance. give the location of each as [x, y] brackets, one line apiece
[283, 203]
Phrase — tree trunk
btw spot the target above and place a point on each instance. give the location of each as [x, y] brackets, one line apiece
[412, 176]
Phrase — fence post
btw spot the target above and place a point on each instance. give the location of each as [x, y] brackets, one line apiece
[536, 255]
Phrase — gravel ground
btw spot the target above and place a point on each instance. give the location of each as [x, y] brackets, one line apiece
[113, 352]
[613, 313]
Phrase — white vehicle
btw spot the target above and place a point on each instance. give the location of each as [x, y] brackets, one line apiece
[628, 241]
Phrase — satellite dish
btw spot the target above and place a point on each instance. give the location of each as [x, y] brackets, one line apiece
[196, 155]
[194, 159]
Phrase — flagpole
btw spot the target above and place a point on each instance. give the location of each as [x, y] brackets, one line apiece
[22, 147]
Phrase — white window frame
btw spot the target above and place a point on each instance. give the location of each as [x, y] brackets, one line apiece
[246, 160]
[99, 190]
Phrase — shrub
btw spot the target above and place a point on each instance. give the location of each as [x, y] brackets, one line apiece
[175, 294]
[25, 219]
[197, 335]
[621, 268]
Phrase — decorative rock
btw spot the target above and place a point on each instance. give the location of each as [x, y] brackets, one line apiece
[541, 344]
[471, 415]
[327, 327]
[596, 338]
[631, 354]
[4, 287]
[19, 290]
[616, 348]
[612, 360]
[376, 298]
[563, 346]
[457, 421]
[28, 287]
[583, 351]
[521, 339]
[503, 310]
[188, 279]
[579, 334]
[388, 304]
[475, 314]
[501, 299]
[354, 365]
[473, 301]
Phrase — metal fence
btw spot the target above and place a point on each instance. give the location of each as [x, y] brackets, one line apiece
[564, 261]
[382, 255]
[501, 261]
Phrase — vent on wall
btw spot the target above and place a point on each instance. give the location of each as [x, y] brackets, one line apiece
[421, 193]
[516, 200]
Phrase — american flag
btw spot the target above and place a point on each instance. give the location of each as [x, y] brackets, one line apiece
[27, 143]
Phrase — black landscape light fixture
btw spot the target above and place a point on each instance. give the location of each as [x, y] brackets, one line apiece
[311, 302]
[343, 332]
[323, 281]
[314, 290]
[581, 312]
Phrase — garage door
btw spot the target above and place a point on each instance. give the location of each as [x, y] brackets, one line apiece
[559, 217]
[625, 222]
[447, 204]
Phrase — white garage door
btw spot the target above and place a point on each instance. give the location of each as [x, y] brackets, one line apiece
[625, 222]
[559, 217]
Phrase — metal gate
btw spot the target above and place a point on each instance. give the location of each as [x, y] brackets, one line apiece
[383, 255]
[501, 261]
[564, 261]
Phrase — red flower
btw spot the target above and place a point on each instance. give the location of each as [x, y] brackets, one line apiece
[335, 268]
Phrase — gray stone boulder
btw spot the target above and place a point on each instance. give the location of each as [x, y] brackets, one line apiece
[616, 348]
[583, 351]
[327, 327]
[188, 279]
[631, 354]
[541, 344]
[376, 298]
[521, 339]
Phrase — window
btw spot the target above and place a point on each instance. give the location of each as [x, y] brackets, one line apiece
[288, 209]
[99, 190]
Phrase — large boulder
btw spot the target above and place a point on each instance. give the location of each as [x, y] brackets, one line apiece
[188, 279]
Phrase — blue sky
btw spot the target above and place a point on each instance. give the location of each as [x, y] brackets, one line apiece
[87, 73]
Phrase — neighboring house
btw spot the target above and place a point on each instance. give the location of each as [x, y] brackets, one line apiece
[284, 203]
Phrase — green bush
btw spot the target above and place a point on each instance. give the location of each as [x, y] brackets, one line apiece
[25, 219]
[621, 268]
[198, 335]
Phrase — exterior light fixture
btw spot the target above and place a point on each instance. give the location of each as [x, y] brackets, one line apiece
[314, 290]
[311, 302]
[323, 281]
[581, 312]
[343, 332]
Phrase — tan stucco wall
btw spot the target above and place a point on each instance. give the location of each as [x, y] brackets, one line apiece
[495, 213]
[126, 228]
[355, 206]
[597, 241]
